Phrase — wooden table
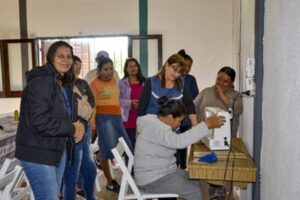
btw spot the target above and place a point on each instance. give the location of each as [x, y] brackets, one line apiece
[241, 168]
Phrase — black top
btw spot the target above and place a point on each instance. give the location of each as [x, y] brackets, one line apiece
[44, 123]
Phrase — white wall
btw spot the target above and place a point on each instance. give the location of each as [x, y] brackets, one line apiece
[82, 17]
[9, 19]
[203, 28]
[247, 51]
[280, 158]
[9, 105]
[9, 23]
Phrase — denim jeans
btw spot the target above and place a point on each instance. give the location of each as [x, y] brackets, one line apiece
[88, 170]
[109, 129]
[45, 180]
[72, 173]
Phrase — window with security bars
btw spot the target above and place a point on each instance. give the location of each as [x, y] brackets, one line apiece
[87, 48]
[20, 55]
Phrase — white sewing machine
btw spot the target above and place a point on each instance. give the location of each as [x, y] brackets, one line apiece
[218, 137]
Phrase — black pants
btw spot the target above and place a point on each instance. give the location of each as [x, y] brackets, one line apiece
[181, 154]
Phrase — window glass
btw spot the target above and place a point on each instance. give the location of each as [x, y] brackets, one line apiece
[87, 48]
[1, 76]
[20, 60]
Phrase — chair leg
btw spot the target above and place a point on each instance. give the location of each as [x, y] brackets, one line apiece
[97, 182]
[111, 170]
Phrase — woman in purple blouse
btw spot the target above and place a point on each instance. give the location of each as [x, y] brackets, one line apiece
[131, 86]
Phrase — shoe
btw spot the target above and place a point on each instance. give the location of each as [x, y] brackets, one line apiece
[80, 193]
[113, 186]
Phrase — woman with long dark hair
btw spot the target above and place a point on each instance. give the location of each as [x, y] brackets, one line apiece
[48, 121]
[131, 87]
[222, 95]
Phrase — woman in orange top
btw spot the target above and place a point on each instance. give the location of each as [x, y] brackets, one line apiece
[109, 122]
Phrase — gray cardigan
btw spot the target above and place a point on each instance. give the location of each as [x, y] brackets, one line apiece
[156, 145]
[209, 97]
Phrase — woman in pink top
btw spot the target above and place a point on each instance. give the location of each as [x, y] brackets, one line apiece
[131, 86]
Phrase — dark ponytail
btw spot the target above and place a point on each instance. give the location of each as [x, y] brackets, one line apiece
[170, 106]
[184, 55]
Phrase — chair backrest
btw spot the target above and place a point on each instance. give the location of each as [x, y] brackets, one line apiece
[94, 147]
[127, 179]
[7, 178]
[13, 182]
[128, 154]
[8, 165]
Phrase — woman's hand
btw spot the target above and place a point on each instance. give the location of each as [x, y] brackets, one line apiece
[221, 92]
[215, 121]
[85, 109]
[135, 103]
[79, 131]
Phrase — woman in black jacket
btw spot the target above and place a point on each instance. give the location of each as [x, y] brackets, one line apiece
[48, 118]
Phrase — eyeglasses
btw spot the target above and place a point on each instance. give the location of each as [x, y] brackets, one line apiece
[177, 68]
[62, 57]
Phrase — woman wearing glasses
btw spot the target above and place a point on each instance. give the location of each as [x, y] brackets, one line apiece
[168, 82]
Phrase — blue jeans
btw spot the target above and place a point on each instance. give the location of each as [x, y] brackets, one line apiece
[109, 129]
[45, 180]
[72, 173]
[88, 170]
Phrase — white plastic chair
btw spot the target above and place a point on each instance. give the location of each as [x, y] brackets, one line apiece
[127, 179]
[12, 179]
[94, 147]
[8, 165]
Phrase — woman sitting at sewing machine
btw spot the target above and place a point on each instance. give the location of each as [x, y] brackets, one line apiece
[155, 168]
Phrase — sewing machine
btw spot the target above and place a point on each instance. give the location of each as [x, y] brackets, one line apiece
[219, 138]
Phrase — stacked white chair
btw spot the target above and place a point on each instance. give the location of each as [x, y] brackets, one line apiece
[13, 182]
[127, 179]
[94, 147]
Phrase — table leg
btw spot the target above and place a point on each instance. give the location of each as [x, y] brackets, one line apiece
[204, 189]
[229, 190]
